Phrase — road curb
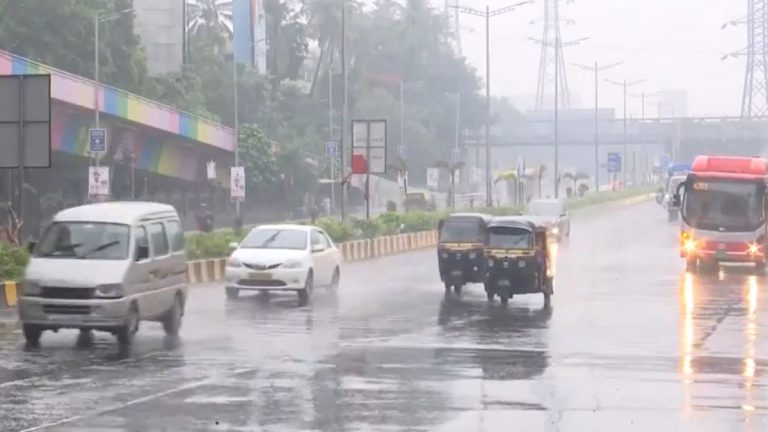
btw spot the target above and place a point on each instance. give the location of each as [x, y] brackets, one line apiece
[212, 269]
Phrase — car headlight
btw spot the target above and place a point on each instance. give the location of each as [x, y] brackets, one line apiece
[109, 291]
[294, 264]
[30, 288]
[754, 248]
[234, 262]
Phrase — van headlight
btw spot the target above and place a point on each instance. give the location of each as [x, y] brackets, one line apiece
[294, 264]
[234, 262]
[29, 288]
[109, 291]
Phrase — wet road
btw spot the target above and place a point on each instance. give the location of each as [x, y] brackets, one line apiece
[630, 344]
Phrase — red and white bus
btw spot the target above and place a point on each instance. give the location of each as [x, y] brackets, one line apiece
[723, 207]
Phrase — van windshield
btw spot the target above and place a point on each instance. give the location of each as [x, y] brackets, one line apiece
[85, 240]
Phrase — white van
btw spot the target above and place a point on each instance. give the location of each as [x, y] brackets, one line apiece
[106, 267]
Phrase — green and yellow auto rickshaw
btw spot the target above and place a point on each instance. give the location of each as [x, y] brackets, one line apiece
[460, 249]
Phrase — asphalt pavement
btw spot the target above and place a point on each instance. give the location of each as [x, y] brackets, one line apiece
[631, 343]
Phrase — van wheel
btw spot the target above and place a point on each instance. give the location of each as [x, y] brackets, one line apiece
[32, 334]
[457, 289]
[127, 332]
[232, 293]
[172, 319]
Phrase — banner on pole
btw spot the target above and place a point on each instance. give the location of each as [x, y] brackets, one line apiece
[433, 178]
[237, 184]
[369, 146]
[98, 183]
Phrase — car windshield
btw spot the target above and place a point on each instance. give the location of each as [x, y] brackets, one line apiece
[274, 238]
[546, 208]
[461, 231]
[724, 206]
[510, 238]
[85, 240]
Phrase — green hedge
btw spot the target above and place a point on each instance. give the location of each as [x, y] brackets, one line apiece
[216, 244]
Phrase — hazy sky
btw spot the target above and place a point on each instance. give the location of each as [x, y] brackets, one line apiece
[674, 44]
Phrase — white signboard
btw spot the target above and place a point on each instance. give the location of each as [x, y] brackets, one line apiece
[369, 140]
[210, 170]
[433, 178]
[237, 183]
[98, 183]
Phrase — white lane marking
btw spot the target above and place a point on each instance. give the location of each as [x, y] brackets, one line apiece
[129, 403]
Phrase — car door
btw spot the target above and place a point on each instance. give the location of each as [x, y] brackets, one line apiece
[334, 253]
[320, 250]
[139, 282]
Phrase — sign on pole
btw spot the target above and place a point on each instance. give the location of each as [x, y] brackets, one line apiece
[98, 183]
[237, 184]
[433, 178]
[97, 140]
[402, 151]
[331, 149]
[520, 168]
[25, 121]
[614, 162]
[210, 170]
[369, 146]
[456, 155]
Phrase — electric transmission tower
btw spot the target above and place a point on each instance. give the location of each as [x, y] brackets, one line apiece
[551, 59]
[754, 100]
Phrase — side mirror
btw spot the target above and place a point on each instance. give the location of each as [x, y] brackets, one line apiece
[318, 248]
[142, 253]
[234, 245]
[31, 246]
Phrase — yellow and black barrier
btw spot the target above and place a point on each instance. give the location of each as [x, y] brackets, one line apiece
[10, 293]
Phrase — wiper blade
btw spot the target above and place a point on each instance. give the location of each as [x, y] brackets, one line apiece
[99, 248]
[69, 247]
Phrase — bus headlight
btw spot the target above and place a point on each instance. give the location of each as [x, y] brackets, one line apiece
[754, 249]
[689, 245]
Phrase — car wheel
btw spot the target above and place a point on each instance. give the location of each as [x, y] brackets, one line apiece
[172, 319]
[304, 293]
[32, 334]
[232, 293]
[335, 279]
[127, 332]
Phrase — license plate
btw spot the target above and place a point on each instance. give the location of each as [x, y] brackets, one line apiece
[260, 275]
[504, 282]
[721, 254]
[456, 273]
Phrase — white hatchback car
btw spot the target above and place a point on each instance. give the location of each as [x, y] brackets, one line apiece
[283, 258]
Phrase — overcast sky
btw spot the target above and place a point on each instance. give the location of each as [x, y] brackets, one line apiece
[674, 44]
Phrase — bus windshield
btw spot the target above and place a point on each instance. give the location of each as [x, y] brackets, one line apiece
[724, 205]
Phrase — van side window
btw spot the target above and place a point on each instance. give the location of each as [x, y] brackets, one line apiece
[176, 236]
[159, 239]
[141, 241]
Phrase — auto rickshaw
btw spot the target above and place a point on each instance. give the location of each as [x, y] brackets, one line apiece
[518, 261]
[460, 249]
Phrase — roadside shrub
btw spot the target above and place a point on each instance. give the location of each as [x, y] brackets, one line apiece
[210, 245]
[367, 228]
[391, 207]
[13, 260]
[390, 223]
[338, 231]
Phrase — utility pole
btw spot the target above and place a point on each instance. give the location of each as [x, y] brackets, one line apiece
[625, 85]
[597, 69]
[487, 14]
[344, 112]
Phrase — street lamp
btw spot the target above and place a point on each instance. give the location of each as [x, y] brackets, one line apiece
[557, 46]
[487, 14]
[597, 69]
[98, 19]
[625, 85]
[237, 115]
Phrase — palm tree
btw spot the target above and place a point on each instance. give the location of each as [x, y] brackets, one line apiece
[512, 180]
[452, 168]
[400, 168]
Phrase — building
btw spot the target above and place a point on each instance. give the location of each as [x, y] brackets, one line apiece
[160, 25]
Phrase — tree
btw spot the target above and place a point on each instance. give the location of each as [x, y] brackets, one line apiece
[257, 155]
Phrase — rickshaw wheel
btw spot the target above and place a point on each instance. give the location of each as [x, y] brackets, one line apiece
[547, 299]
[457, 289]
[504, 301]
[490, 295]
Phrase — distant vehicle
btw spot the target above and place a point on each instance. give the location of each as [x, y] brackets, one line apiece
[518, 259]
[461, 239]
[283, 258]
[420, 201]
[106, 267]
[673, 213]
[723, 206]
[552, 214]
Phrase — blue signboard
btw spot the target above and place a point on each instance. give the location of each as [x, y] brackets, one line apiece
[402, 151]
[97, 140]
[331, 149]
[614, 162]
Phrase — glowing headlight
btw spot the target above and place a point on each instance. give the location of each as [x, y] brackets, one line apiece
[234, 262]
[689, 245]
[555, 230]
[109, 291]
[295, 264]
[754, 249]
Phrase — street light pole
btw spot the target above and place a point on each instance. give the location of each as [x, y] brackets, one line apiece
[557, 122]
[625, 85]
[487, 14]
[345, 101]
[236, 124]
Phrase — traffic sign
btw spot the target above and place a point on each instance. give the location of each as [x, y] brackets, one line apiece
[331, 149]
[614, 162]
[97, 140]
[402, 151]
[456, 155]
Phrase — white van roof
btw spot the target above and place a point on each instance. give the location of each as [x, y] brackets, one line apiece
[121, 212]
